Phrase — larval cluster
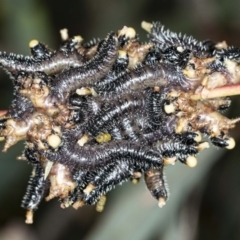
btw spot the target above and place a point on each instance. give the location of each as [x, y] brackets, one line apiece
[96, 114]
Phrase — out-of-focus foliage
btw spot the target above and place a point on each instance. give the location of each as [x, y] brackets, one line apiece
[204, 201]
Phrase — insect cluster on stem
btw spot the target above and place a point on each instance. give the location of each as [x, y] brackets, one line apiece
[96, 114]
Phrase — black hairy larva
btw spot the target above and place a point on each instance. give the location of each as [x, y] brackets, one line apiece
[118, 173]
[165, 38]
[36, 188]
[76, 156]
[31, 155]
[178, 149]
[101, 121]
[88, 73]
[42, 60]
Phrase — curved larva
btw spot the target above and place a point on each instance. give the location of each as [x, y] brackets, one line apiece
[166, 38]
[93, 70]
[136, 79]
[96, 156]
[118, 69]
[49, 62]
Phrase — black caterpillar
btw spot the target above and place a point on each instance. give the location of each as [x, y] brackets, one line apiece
[100, 113]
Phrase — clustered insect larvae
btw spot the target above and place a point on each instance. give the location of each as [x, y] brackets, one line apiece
[96, 114]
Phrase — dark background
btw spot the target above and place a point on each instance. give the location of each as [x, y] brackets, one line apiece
[204, 201]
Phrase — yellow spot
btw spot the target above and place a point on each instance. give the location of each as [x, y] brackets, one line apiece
[161, 202]
[146, 26]
[203, 145]
[172, 94]
[131, 33]
[170, 160]
[128, 32]
[29, 217]
[33, 43]
[156, 89]
[180, 49]
[101, 203]
[169, 108]
[93, 92]
[221, 45]
[137, 174]
[83, 91]
[66, 204]
[190, 72]
[21, 158]
[191, 161]
[104, 137]
[54, 140]
[64, 34]
[2, 139]
[83, 140]
[78, 204]
[78, 39]
[122, 54]
[231, 143]
[88, 189]
[135, 181]
[230, 65]
[198, 138]
[181, 125]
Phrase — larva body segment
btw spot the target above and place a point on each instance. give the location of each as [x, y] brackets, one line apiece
[42, 60]
[155, 182]
[88, 73]
[89, 158]
[118, 173]
[36, 189]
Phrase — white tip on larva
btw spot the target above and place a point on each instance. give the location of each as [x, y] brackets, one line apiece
[54, 140]
[33, 43]
[146, 26]
[161, 202]
[83, 140]
[122, 54]
[191, 161]
[169, 108]
[64, 34]
[202, 146]
[29, 217]
[231, 143]
[88, 189]
[198, 138]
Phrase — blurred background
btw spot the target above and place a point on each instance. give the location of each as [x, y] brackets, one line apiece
[204, 201]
